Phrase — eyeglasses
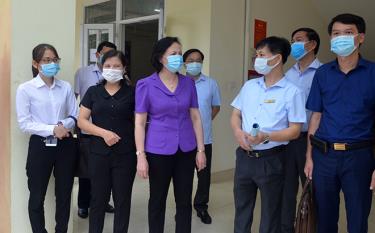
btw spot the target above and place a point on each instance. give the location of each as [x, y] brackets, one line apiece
[48, 60]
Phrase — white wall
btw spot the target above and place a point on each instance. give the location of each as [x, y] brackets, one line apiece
[290, 15]
[226, 66]
[34, 22]
[364, 8]
[190, 22]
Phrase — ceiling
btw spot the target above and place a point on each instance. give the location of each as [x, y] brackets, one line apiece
[327, 9]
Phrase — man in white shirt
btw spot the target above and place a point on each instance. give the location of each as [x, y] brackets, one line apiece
[305, 46]
[209, 100]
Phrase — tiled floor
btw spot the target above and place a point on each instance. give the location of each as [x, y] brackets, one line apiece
[221, 209]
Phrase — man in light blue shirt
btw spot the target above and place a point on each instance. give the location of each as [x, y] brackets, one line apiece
[278, 107]
[209, 101]
[84, 78]
[305, 46]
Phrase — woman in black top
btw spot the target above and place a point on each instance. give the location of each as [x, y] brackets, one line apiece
[112, 161]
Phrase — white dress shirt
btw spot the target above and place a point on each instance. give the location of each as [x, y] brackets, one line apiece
[303, 80]
[273, 108]
[40, 108]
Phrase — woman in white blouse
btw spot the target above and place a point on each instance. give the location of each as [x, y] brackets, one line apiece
[47, 110]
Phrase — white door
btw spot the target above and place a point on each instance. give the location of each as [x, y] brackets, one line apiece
[93, 35]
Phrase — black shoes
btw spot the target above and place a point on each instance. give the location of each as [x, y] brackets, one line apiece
[109, 209]
[83, 213]
[204, 216]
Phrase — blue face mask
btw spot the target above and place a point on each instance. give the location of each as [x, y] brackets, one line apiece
[261, 65]
[175, 63]
[194, 68]
[343, 46]
[50, 70]
[298, 50]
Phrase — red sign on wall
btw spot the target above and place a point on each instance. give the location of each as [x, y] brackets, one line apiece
[260, 30]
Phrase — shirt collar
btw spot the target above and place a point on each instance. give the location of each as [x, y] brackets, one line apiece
[95, 68]
[281, 83]
[313, 65]
[159, 84]
[117, 95]
[202, 77]
[38, 82]
[361, 63]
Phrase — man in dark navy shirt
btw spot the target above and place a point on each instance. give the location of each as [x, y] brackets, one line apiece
[339, 154]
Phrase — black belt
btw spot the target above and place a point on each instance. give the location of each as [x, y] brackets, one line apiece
[350, 146]
[82, 135]
[43, 139]
[266, 152]
[338, 146]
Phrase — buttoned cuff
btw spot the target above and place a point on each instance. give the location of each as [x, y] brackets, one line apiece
[68, 123]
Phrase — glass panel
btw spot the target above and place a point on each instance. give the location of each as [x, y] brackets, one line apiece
[104, 36]
[104, 12]
[139, 40]
[138, 8]
[95, 37]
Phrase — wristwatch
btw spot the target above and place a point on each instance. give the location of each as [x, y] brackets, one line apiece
[267, 139]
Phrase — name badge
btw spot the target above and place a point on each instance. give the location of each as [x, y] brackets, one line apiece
[51, 141]
[270, 101]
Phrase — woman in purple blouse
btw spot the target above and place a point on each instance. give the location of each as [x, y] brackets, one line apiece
[172, 143]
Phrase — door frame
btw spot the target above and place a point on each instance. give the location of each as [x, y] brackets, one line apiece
[85, 36]
[118, 33]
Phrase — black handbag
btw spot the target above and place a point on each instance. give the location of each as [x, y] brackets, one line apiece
[81, 170]
[306, 212]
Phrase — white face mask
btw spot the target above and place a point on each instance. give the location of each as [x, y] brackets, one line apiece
[112, 75]
[261, 65]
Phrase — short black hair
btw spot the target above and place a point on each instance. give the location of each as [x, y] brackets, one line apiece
[124, 61]
[105, 44]
[190, 51]
[347, 18]
[276, 45]
[159, 49]
[311, 35]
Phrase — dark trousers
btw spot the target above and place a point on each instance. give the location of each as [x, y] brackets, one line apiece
[295, 158]
[350, 171]
[114, 172]
[84, 193]
[202, 194]
[41, 161]
[163, 168]
[84, 188]
[266, 174]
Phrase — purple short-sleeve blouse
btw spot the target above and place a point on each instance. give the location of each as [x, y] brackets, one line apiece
[170, 126]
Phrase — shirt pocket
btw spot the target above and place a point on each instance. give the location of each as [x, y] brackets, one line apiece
[275, 110]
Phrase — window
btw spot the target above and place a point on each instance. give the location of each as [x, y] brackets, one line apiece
[139, 8]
